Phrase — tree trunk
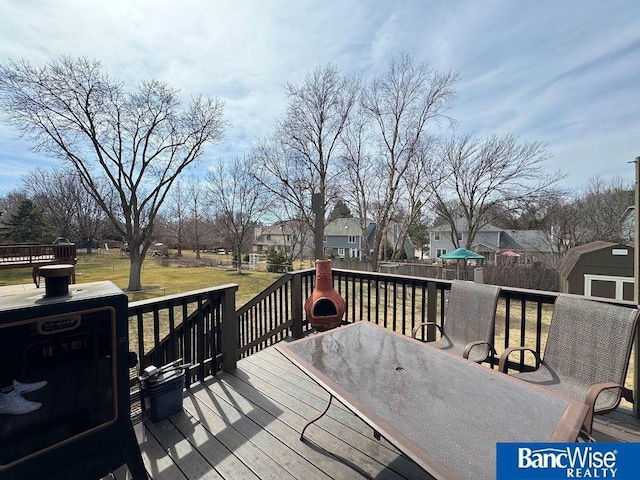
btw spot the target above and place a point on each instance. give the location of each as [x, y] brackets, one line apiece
[239, 262]
[134, 273]
[374, 254]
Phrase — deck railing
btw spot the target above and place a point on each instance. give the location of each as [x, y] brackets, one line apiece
[216, 335]
[190, 327]
[26, 254]
[35, 255]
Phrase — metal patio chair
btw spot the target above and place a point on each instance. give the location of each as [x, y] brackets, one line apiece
[469, 322]
[586, 354]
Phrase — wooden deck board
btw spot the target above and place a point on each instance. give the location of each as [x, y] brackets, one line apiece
[334, 438]
[185, 455]
[338, 421]
[279, 429]
[275, 447]
[246, 425]
[251, 455]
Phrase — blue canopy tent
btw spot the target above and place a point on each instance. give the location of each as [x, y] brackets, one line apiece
[461, 254]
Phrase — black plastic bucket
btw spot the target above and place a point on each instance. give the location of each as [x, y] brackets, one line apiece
[163, 394]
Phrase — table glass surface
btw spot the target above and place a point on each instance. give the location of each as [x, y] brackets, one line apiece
[453, 409]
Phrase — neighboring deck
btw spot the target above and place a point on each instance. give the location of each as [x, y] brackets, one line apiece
[37, 255]
[246, 425]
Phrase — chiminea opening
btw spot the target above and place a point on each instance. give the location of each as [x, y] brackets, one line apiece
[324, 307]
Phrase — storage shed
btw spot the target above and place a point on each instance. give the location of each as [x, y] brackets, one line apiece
[598, 269]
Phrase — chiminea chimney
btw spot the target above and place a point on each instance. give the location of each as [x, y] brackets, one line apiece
[56, 279]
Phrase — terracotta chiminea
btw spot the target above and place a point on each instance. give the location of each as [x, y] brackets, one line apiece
[325, 307]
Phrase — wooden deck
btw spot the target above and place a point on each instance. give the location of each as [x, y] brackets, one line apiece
[246, 425]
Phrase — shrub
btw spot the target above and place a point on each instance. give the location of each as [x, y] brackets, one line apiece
[277, 262]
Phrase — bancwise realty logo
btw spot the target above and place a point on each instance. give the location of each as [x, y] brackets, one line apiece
[549, 461]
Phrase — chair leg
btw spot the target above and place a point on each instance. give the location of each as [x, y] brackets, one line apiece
[583, 436]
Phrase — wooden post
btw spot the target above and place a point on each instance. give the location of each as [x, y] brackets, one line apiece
[636, 286]
[200, 338]
[432, 310]
[297, 303]
[230, 335]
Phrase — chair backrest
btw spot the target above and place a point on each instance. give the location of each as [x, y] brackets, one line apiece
[470, 313]
[590, 342]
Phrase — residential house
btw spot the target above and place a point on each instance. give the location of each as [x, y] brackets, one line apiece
[344, 238]
[627, 224]
[293, 238]
[526, 246]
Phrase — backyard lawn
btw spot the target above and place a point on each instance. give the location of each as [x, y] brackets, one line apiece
[160, 276]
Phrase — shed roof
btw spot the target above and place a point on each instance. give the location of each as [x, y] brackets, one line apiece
[573, 255]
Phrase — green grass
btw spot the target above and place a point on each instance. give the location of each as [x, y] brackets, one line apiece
[159, 276]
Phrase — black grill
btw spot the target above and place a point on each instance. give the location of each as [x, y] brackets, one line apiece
[78, 342]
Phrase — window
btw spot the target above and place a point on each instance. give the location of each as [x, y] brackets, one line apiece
[351, 239]
[324, 239]
[440, 252]
[436, 237]
[268, 238]
[341, 252]
[459, 237]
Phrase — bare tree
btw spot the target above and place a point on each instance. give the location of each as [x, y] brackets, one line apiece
[177, 214]
[601, 206]
[128, 147]
[197, 212]
[237, 201]
[299, 158]
[396, 112]
[68, 207]
[471, 178]
[55, 192]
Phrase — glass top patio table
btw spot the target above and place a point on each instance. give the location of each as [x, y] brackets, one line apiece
[443, 412]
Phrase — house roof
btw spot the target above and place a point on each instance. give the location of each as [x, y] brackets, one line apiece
[573, 255]
[287, 227]
[527, 240]
[343, 227]
[462, 226]
[484, 246]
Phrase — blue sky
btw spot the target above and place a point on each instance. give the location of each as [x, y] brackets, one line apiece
[566, 73]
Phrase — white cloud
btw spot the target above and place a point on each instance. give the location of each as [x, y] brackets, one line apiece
[564, 73]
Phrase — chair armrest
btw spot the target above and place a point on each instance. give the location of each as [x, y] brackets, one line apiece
[592, 396]
[425, 324]
[502, 364]
[470, 345]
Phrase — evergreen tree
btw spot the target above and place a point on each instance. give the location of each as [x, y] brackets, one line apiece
[26, 224]
[340, 210]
